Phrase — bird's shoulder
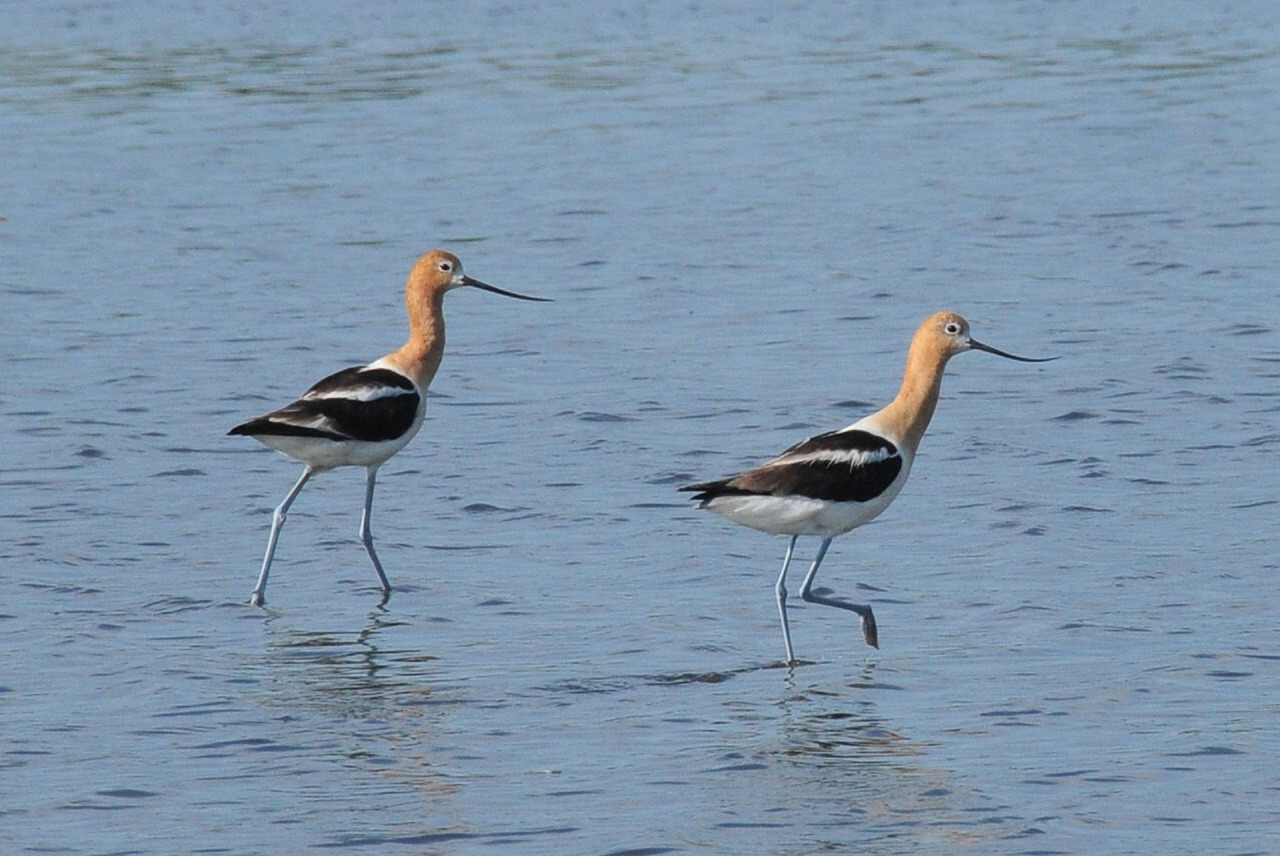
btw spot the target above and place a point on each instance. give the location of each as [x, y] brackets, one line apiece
[361, 383]
[852, 443]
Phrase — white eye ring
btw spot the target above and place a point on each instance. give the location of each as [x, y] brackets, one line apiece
[446, 266]
[952, 328]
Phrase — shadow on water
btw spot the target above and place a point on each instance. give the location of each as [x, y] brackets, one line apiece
[521, 837]
[620, 683]
[674, 679]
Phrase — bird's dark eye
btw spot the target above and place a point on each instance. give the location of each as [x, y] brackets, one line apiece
[952, 328]
[446, 266]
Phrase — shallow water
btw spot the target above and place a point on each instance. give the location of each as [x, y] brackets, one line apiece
[742, 216]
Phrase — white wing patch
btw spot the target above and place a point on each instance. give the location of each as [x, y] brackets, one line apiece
[851, 458]
[358, 392]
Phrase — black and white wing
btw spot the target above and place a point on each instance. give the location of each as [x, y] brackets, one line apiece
[849, 465]
[366, 404]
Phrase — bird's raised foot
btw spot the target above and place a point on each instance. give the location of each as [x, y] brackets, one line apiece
[869, 631]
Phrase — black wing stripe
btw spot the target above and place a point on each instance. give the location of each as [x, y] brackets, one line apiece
[371, 421]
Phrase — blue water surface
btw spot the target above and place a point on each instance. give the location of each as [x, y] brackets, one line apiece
[741, 211]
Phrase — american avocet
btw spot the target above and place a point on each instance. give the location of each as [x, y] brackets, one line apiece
[829, 484]
[360, 417]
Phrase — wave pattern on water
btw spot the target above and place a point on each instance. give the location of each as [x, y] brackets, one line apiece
[741, 217]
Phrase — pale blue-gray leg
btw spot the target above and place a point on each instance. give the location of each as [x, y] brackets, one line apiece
[277, 520]
[366, 537]
[780, 591]
[869, 631]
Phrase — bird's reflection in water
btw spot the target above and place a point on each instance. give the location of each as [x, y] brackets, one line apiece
[380, 703]
[860, 772]
[358, 673]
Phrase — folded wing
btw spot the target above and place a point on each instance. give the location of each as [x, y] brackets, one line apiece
[366, 404]
[849, 465]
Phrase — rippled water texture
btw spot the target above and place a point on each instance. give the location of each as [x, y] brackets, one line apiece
[741, 214]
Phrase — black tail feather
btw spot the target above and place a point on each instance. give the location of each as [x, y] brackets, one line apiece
[263, 426]
[704, 492]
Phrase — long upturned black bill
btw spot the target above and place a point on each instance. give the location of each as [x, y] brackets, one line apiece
[976, 345]
[466, 280]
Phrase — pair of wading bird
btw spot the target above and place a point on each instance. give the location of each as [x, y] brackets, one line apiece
[822, 487]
